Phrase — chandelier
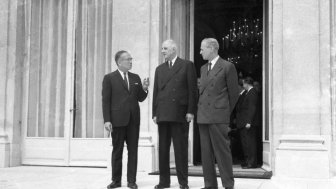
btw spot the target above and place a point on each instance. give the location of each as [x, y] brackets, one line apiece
[245, 39]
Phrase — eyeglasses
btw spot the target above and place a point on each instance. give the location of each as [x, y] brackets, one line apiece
[128, 59]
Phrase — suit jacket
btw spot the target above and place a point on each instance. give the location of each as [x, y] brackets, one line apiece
[119, 102]
[234, 113]
[247, 110]
[218, 93]
[175, 91]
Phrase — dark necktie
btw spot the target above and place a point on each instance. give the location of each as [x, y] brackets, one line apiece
[125, 80]
[209, 68]
[170, 64]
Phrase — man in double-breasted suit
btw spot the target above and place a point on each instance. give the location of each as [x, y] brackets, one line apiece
[218, 96]
[247, 123]
[121, 94]
[174, 106]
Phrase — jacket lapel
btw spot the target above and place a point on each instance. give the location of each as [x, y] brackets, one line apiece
[171, 71]
[121, 80]
[212, 75]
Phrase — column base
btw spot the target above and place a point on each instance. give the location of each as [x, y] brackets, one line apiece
[4, 151]
[302, 156]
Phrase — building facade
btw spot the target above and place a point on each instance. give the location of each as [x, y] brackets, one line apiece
[54, 55]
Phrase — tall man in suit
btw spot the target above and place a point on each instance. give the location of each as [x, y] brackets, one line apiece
[174, 106]
[247, 123]
[121, 94]
[218, 96]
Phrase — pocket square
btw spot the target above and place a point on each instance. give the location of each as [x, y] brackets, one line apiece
[136, 83]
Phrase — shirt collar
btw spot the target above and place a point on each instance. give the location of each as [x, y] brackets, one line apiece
[122, 73]
[213, 61]
[174, 60]
[249, 89]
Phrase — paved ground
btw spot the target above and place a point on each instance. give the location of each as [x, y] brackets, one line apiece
[39, 177]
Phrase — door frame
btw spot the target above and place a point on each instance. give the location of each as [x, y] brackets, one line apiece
[266, 73]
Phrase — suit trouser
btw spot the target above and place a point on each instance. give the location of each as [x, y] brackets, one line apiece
[249, 144]
[179, 132]
[130, 134]
[215, 143]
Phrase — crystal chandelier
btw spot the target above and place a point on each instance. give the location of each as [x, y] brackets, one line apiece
[244, 38]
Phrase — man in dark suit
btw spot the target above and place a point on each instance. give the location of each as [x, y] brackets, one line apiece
[122, 92]
[218, 96]
[174, 106]
[236, 147]
[247, 123]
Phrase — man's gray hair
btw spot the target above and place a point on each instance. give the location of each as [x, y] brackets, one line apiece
[172, 43]
[211, 42]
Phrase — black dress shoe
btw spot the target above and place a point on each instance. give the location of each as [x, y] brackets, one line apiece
[160, 186]
[209, 187]
[114, 184]
[132, 185]
[184, 186]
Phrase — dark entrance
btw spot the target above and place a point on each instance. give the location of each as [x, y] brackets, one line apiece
[238, 27]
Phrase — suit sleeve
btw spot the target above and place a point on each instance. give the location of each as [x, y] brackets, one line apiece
[252, 106]
[232, 83]
[142, 94]
[106, 99]
[155, 92]
[192, 88]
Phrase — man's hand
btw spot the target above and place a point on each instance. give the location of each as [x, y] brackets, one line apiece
[248, 126]
[154, 119]
[108, 126]
[145, 84]
[189, 117]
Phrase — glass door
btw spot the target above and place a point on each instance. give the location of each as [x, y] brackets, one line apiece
[68, 52]
[46, 83]
[89, 144]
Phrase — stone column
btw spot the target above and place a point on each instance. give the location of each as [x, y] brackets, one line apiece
[4, 143]
[11, 61]
[301, 89]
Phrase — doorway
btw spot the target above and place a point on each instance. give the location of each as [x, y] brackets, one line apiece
[238, 27]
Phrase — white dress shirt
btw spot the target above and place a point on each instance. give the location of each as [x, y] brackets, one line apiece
[213, 61]
[173, 61]
[122, 76]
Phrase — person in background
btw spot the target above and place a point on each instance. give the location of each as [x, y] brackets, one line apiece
[236, 147]
[246, 116]
[258, 87]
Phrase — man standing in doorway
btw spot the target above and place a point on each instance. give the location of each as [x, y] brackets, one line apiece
[122, 92]
[174, 106]
[218, 96]
[247, 124]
